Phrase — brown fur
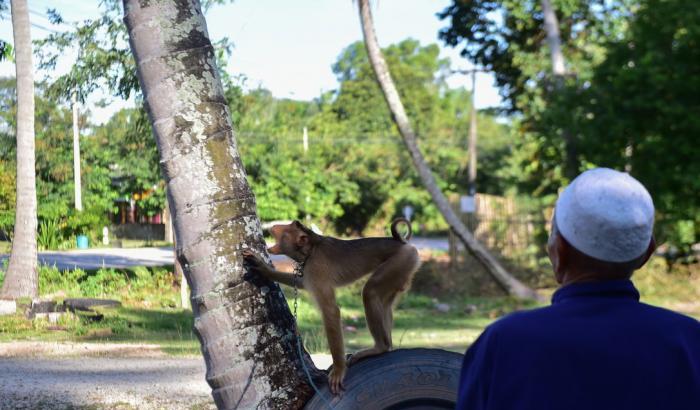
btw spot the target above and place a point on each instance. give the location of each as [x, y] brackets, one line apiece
[330, 263]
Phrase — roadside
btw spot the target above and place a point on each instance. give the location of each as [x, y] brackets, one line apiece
[120, 258]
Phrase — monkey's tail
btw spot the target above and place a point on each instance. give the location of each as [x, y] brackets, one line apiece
[396, 233]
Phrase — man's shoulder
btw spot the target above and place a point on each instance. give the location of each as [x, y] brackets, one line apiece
[526, 320]
[669, 316]
[550, 316]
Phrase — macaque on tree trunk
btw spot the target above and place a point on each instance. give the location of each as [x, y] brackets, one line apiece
[326, 263]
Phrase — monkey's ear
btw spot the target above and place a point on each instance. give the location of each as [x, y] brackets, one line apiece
[302, 239]
[297, 224]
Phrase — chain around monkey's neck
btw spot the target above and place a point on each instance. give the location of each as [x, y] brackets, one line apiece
[300, 265]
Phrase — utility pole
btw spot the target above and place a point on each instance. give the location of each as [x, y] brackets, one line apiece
[472, 131]
[306, 149]
[472, 139]
[76, 155]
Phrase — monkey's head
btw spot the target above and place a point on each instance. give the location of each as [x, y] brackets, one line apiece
[293, 240]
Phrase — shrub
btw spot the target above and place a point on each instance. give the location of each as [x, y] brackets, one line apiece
[53, 280]
[105, 282]
[49, 235]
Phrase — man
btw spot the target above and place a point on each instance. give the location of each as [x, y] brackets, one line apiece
[596, 346]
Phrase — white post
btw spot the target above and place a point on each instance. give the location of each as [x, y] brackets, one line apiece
[306, 140]
[76, 155]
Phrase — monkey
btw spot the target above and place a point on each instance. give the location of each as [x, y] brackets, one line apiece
[327, 263]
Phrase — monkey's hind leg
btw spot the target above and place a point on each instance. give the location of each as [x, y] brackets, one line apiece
[379, 294]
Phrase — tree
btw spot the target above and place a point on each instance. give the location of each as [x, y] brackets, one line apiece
[493, 266]
[523, 43]
[551, 27]
[54, 171]
[21, 279]
[644, 98]
[246, 331]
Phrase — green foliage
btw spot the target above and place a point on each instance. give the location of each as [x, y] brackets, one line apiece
[104, 282]
[109, 168]
[49, 235]
[356, 173]
[140, 286]
[645, 96]
[110, 150]
[629, 99]
[53, 280]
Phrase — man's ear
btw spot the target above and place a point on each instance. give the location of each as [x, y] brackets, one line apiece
[561, 259]
[650, 251]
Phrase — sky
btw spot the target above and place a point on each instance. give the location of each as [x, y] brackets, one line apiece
[287, 47]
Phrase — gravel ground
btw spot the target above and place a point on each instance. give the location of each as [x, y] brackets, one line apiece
[103, 383]
[81, 376]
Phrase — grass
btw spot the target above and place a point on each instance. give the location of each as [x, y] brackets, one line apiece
[417, 323]
[151, 312]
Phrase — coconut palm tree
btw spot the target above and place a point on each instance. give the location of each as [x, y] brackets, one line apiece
[398, 113]
[245, 329]
[21, 279]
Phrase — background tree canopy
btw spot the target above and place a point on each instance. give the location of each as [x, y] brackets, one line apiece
[630, 100]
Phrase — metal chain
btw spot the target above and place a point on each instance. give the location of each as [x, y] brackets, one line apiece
[299, 274]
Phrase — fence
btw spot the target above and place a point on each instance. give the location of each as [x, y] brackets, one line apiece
[514, 229]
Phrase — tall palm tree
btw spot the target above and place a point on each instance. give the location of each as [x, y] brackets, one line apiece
[246, 330]
[21, 279]
[398, 113]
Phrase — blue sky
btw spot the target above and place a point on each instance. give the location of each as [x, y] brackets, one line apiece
[288, 47]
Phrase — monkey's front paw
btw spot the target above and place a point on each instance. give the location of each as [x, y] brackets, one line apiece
[253, 264]
[335, 378]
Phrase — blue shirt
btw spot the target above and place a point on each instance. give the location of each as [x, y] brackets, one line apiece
[595, 347]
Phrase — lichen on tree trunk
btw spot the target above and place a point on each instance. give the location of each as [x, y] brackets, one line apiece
[246, 330]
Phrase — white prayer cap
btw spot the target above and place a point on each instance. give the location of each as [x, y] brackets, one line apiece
[606, 214]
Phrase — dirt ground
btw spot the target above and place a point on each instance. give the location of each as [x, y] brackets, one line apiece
[91, 376]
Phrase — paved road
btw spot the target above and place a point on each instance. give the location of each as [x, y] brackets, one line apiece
[126, 257]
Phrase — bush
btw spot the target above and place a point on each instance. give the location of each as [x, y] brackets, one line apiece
[151, 287]
[53, 280]
[49, 235]
[105, 282]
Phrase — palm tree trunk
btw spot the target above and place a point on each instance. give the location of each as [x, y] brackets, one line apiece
[21, 279]
[551, 27]
[246, 331]
[381, 70]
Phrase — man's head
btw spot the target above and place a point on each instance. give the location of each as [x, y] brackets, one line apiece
[602, 227]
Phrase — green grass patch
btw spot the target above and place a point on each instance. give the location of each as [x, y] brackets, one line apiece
[417, 322]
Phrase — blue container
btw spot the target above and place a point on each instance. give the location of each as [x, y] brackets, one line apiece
[82, 242]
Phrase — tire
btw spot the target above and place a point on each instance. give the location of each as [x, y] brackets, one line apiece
[399, 380]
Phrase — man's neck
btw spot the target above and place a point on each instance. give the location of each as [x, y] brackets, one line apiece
[574, 277]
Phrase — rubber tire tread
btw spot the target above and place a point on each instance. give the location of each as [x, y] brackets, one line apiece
[401, 379]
